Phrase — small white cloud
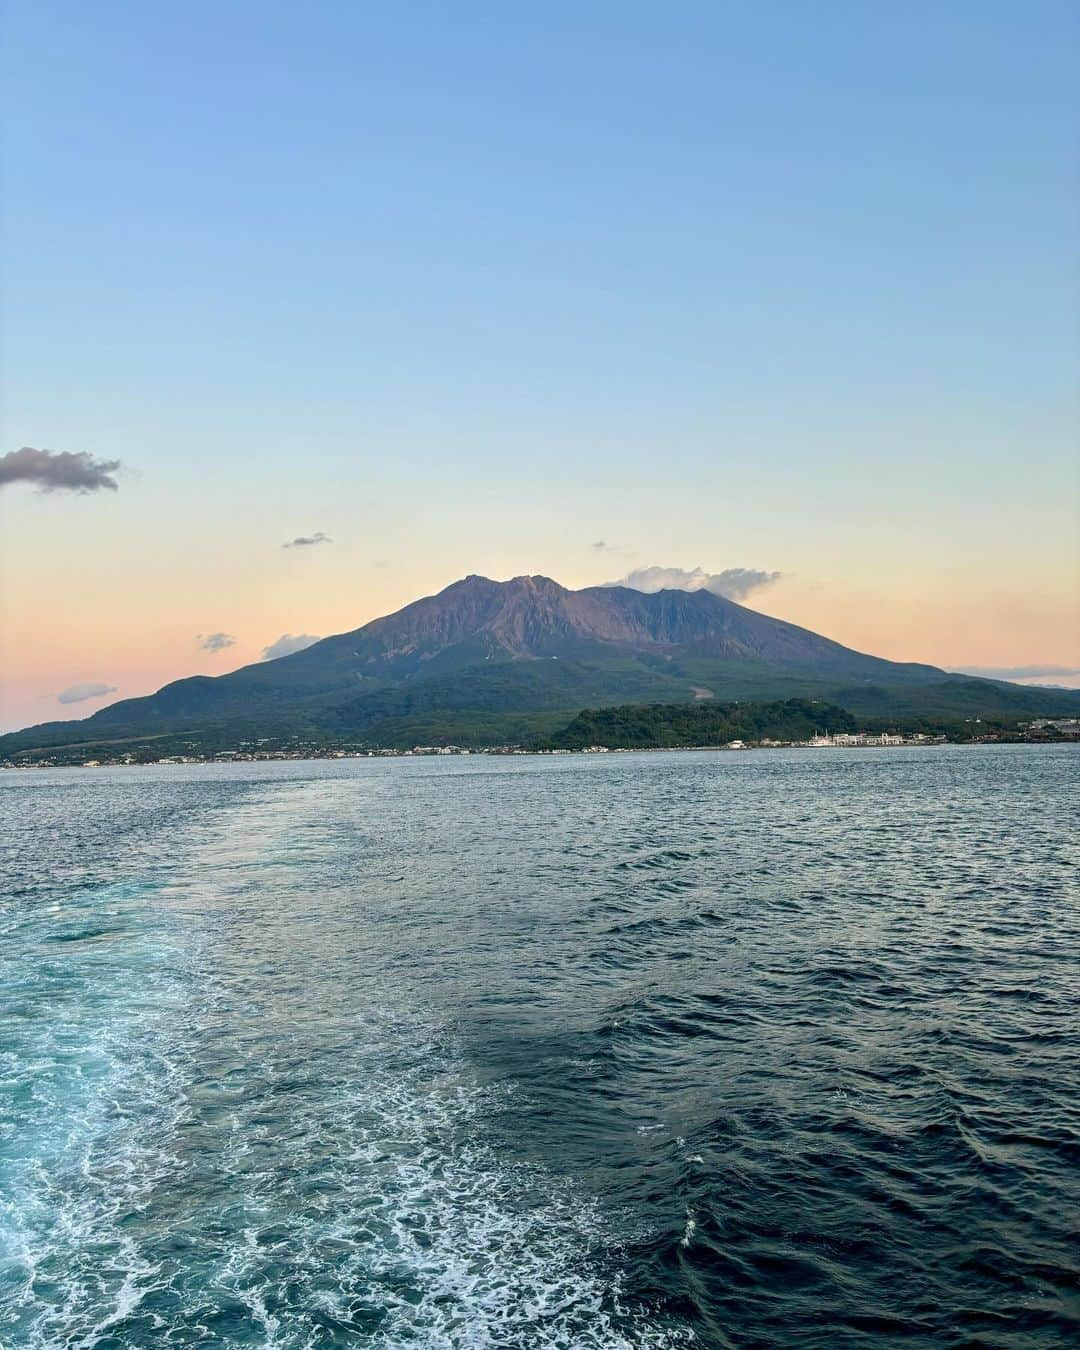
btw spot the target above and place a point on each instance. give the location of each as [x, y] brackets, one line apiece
[288, 643]
[216, 642]
[733, 584]
[78, 693]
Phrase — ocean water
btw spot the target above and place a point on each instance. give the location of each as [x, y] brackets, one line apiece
[762, 1049]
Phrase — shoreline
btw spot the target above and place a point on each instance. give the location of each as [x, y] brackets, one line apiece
[491, 752]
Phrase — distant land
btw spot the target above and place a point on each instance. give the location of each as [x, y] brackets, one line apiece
[515, 662]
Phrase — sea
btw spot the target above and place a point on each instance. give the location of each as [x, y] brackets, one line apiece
[766, 1048]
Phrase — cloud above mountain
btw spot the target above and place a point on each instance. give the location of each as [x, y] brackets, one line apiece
[59, 470]
[288, 643]
[306, 540]
[1033, 674]
[77, 693]
[735, 583]
[215, 642]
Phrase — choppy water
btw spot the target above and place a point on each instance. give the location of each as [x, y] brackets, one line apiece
[645, 1051]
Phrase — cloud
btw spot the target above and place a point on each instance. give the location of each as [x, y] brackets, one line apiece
[1033, 673]
[76, 693]
[304, 540]
[733, 584]
[601, 545]
[58, 470]
[215, 642]
[288, 643]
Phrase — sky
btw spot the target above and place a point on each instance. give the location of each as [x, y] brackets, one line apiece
[574, 289]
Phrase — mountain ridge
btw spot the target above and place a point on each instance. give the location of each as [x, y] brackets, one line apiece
[529, 646]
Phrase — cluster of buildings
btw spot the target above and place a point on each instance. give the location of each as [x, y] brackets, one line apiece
[865, 738]
[1048, 727]
[840, 738]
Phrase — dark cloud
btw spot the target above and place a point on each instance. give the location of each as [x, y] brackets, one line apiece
[76, 693]
[304, 540]
[601, 545]
[58, 470]
[288, 643]
[215, 642]
[734, 584]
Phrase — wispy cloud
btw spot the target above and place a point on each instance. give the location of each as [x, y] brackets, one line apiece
[600, 545]
[735, 583]
[58, 470]
[77, 693]
[1023, 674]
[215, 642]
[306, 540]
[288, 643]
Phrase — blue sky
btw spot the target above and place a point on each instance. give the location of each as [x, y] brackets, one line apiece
[472, 287]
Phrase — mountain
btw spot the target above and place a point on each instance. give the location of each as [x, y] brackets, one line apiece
[489, 660]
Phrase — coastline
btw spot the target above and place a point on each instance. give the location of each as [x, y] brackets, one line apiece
[313, 755]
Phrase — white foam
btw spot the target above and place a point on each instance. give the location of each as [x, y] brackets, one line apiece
[376, 1198]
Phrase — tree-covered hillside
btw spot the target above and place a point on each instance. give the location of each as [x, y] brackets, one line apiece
[658, 725]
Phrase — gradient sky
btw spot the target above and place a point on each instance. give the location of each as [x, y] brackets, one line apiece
[475, 287]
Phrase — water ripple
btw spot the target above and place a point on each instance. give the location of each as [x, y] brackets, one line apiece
[778, 1049]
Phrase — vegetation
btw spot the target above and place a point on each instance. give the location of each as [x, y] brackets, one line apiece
[659, 725]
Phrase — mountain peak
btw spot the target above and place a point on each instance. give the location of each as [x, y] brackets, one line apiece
[538, 584]
[483, 649]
